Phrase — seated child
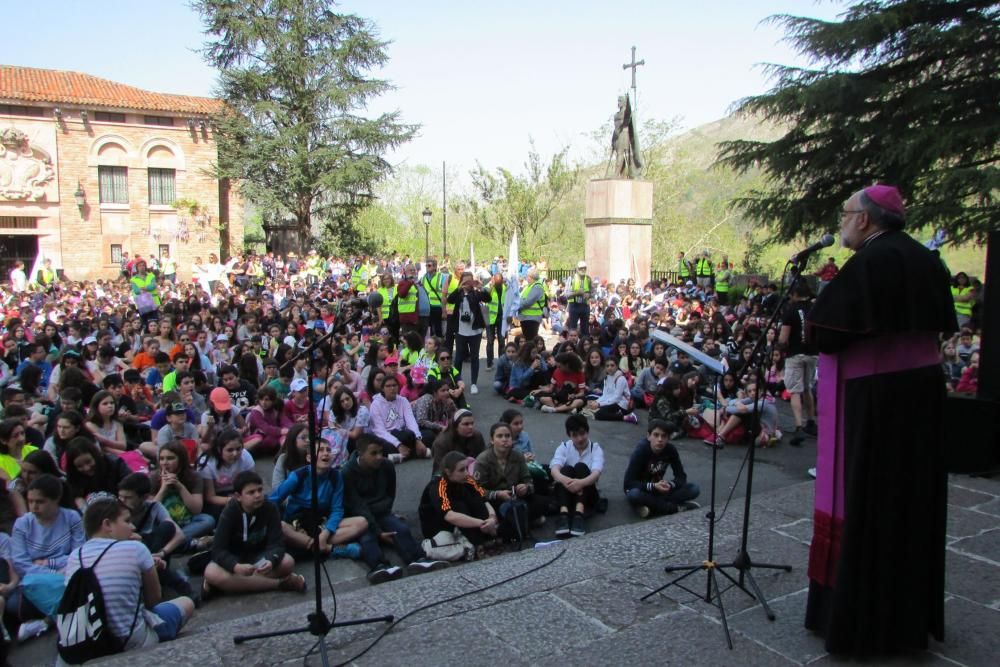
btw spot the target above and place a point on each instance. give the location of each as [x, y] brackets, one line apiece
[370, 490]
[575, 467]
[248, 554]
[646, 488]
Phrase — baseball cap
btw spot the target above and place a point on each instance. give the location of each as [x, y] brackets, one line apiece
[219, 398]
[222, 338]
[298, 384]
[176, 408]
[392, 359]
[90, 340]
[581, 264]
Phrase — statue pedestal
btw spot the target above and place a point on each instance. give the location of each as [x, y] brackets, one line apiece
[619, 229]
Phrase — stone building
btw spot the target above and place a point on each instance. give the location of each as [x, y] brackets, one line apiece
[91, 169]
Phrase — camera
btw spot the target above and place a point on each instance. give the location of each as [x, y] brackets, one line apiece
[466, 317]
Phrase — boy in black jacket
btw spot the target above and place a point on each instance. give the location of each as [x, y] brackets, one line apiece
[646, 489]
[248, 554]
[369, 491]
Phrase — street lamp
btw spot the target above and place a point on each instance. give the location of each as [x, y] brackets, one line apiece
[427, 231]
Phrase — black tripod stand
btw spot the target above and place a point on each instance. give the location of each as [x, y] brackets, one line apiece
[319, 625]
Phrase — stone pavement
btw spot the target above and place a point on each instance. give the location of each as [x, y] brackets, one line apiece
[581, 604]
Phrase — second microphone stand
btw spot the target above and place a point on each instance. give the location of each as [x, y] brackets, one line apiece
[318, 623]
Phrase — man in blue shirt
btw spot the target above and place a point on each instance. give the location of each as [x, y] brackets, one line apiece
[36, 357]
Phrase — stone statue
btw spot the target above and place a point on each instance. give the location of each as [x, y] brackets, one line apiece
[24, 173]
[625, 161]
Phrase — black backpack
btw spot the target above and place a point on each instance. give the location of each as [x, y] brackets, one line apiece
[82, 618]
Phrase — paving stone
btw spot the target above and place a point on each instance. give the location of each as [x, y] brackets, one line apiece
[970, 633]
[968, 523]
[963, 497]
[682, 638]
[613, 600]
[987, 485]
[972, 579]
[985, 545]
[801, 530]
[795, 501]
[992, 507]
[785, 634]
[539, 624]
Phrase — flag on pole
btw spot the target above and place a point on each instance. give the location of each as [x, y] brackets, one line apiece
[512, 298]
[472, 258]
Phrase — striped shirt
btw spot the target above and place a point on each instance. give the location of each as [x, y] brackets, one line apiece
[120, 574]
[31, 540]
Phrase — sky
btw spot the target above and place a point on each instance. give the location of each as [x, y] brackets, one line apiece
[482, 79]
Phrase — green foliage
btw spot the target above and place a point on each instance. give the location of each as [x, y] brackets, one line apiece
[902, 92]
[294, 76]
[504, 202]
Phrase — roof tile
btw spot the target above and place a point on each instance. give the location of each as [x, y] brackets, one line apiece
[31, 84]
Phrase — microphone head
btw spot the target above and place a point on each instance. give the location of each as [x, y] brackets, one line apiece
[826, 241]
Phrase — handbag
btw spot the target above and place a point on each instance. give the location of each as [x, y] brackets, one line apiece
[450, 546]
[145, 303]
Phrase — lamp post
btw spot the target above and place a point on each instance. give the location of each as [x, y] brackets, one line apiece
[80, 197]
[427, 231]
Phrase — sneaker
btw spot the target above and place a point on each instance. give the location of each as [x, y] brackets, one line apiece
[202, 543]
[489, 366]
[631, 418]
[562, 526]
[811, 472]
[810, 428]
[426, 565]
[32, 629]
[395, 458]
[293, 582]
[473, 390]
[677, 435]
[384, 573]
[548, 409]
[642, 511]
[587, 412]
[352, 550]
[538, 521]
[690, 505]
[797, 438]
[576, 527]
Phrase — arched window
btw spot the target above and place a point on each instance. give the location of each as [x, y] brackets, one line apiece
[162, 159]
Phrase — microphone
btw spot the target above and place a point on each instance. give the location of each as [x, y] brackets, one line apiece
[825, 242]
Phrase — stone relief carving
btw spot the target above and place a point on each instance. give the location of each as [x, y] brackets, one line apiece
[24, 172]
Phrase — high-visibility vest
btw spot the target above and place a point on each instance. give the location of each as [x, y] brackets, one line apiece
[46, 276]
[144, 285]
[722, 281]
[434, 288]
[683, 270]
[358, 278]
[387, 294]
[435, 373]
[575, 286]
[407, 304]
[962, 307]
[535, 309]
[703, 268]
[494, 303]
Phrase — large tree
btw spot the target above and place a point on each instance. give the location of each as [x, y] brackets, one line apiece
[504, 202]
[905, 92]
[295, 77]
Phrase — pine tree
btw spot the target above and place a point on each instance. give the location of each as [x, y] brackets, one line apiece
[295, 78]
[905, 92]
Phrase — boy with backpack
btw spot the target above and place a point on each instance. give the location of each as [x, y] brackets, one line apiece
[108, 582]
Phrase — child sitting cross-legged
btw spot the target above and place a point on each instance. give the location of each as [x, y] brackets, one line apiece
[646, 487]
[575, 467]
[337, 534]
[248, 554]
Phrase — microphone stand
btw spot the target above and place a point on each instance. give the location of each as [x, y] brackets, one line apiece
[318, 623]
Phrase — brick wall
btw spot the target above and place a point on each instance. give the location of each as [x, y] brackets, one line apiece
[80, 241]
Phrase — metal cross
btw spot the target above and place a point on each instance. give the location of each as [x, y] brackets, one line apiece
[633, 65]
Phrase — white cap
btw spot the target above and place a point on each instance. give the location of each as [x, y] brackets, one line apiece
[298, 384]
[289, 340]
[581, 264]
[90, 339]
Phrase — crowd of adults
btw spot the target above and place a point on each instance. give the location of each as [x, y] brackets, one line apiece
[134, 410]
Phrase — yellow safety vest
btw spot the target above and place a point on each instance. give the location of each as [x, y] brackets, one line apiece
[703, 268]
[407, 304]
[387, 294]
[434, 290]
[144, 286]
[534, 310]
[682, 269]
[575, 286]
[494, 304]
[722, 281]
[962, 307]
